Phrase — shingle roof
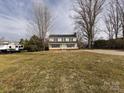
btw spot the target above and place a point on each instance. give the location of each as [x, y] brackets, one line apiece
[63, 42]
[64, 35]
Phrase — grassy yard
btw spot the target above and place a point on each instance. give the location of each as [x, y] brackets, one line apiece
[61, 72]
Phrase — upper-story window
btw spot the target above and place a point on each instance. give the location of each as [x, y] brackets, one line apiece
[74, 39]
[51, 39]
[67, 39]
[59, 39]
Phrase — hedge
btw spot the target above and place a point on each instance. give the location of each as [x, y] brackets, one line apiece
[109, 44]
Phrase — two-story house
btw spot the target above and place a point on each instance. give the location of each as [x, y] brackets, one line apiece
[63, 42]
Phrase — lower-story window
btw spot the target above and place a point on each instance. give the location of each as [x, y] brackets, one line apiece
[70, 45]
[55, 45]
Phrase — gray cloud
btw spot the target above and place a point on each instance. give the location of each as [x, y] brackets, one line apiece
[14, 26]
[63, 22]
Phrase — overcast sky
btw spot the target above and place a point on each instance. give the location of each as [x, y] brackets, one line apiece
[15, 15]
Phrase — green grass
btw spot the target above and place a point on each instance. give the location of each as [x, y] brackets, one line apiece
[61, 72]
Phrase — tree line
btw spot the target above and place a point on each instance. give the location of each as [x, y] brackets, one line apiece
[87, 14]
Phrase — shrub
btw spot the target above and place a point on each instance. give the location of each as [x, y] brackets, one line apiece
[100, 44]
[109, 44]
[34, 44]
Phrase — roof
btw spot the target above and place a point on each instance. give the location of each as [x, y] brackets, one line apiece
[62, 42]
[8, 42]
[64, 35]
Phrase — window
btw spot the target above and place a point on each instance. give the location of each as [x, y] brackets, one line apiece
[67, 39]
[59, 39]
[55, 45]
[74, 39]
[70, 45]
[51, 39]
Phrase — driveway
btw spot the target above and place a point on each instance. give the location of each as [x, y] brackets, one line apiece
[110, 52]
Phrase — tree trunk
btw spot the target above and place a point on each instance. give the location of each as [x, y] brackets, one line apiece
[89, 43]
[116, 35]
[43, 44]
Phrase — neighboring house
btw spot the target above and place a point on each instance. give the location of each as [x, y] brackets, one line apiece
[63, 42]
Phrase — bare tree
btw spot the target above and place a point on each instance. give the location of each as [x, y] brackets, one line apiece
[109, 26]
[87, 12]
[42, 21]
[121, 12]
[115, 17]
[79, 39]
